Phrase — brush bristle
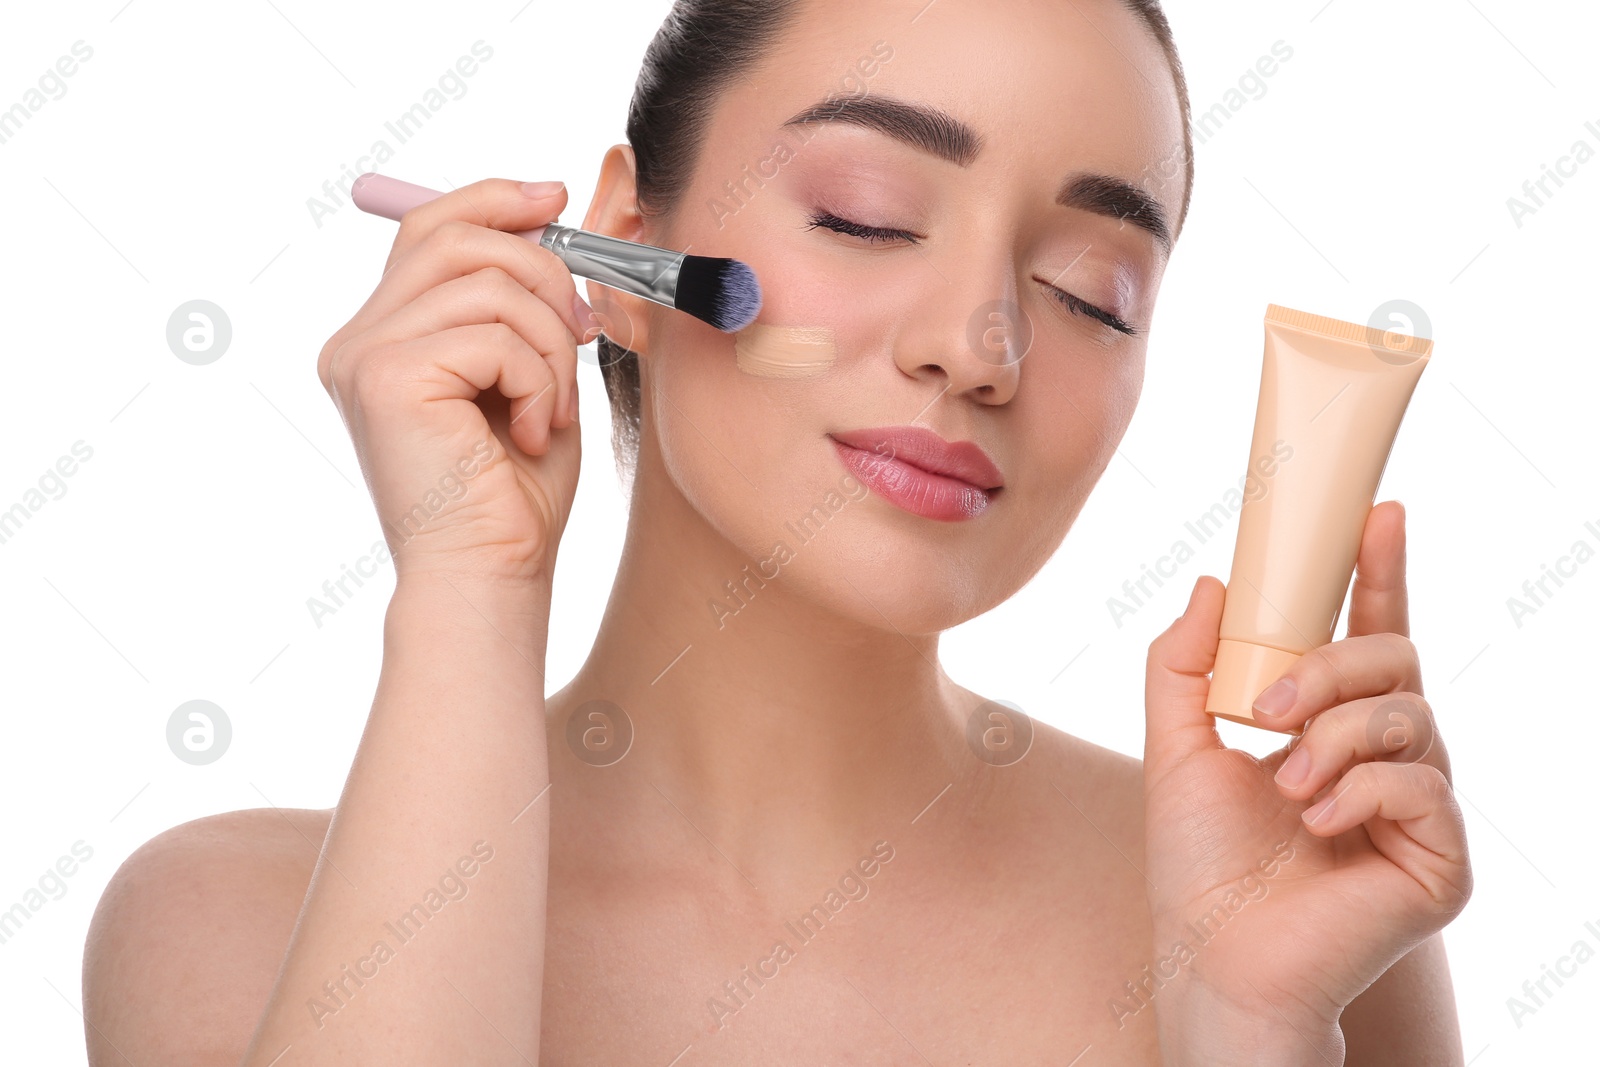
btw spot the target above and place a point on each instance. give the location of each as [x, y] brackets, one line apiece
[723, 292]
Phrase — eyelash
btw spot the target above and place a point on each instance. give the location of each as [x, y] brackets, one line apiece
[874, 234]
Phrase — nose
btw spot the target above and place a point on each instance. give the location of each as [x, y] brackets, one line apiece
[975, 342]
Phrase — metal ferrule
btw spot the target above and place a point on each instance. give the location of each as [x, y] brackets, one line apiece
[642, 270]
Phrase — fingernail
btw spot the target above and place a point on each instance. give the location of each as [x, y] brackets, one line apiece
[1318, 811]
[572, 402]
[538, 189]
[1294, 769]
[1277, 698]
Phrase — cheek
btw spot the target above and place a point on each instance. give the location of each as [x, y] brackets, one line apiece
[1123, 387]
[770, 426]
[805, 281]
[1072, 439]
[814, 280]
[698, 407]
[1108, 394]
[746, 452]
[1078, 419]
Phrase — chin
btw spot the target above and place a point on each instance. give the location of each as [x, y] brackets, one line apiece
[892, 580]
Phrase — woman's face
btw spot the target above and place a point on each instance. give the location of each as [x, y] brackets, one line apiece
[956, 322]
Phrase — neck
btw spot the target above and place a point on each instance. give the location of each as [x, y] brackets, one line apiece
[786, 733]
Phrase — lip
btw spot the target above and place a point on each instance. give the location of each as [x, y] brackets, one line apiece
[920, 472]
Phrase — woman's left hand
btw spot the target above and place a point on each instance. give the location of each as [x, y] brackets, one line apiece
[1289, 909]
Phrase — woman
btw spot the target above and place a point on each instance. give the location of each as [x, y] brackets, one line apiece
[761, 825]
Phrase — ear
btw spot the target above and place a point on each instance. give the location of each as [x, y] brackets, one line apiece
[614, 211]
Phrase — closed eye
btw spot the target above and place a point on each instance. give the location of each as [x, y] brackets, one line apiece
[879, 235]
[829, 221]
[1083, 307]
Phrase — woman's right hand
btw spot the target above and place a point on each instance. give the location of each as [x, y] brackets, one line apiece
[455, 379]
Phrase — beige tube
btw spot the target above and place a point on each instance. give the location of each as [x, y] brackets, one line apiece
[1332, 394]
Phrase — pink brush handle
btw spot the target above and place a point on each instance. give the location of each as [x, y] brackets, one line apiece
[390, 198]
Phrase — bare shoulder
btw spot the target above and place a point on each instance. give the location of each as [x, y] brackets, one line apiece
[186, 941]
[1105, 785]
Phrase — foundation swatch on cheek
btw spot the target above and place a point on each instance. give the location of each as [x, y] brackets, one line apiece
[784, 351]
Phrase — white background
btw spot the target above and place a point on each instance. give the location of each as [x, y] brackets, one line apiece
[1376, 165]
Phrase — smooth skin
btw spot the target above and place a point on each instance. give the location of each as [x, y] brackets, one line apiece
[774, 747]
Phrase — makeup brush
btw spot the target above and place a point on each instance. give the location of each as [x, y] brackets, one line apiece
[722, 292]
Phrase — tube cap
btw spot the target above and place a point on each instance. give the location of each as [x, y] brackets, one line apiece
[1242, 670]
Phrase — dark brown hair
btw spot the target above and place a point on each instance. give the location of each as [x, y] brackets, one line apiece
[703, 45]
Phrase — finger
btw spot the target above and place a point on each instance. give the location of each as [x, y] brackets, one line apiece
[1337, 673]
[1432, 845]
[457, 249]
[488, 207]
[1378, 602]
[494, 356]
[1398, 728]
[498, 203]
[490, 295]
[1175, 685]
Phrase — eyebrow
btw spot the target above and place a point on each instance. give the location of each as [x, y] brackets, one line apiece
[947, 137]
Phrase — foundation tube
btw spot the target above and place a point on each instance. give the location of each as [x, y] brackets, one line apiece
[1332, 396]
